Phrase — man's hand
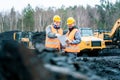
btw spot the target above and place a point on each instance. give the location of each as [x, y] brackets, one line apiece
[57, 35]
[68, 41]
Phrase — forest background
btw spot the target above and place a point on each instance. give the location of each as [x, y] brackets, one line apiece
[101, 16]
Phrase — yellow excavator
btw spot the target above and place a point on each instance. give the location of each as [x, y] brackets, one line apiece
[24, 38]
[111, 38]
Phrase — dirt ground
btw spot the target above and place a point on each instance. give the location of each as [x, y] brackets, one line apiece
[20, 63]
[91, 68]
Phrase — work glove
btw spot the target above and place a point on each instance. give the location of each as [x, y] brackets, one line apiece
[57, 35]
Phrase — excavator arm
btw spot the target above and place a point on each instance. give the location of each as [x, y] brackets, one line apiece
[115, 28]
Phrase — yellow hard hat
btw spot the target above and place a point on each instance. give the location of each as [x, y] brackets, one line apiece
[70, 20]
[56, 18]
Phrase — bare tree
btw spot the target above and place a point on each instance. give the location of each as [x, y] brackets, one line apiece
[1, 22]
[12, 19]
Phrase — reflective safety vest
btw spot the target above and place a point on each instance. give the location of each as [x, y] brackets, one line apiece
[72, 47]
[53, 42]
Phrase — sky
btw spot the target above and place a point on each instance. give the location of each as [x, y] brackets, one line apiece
[19, 5]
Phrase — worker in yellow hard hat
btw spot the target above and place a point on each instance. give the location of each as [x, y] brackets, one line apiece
[53, 31]
[73, 38]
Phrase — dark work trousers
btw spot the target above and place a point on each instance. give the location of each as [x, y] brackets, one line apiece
[71, 57]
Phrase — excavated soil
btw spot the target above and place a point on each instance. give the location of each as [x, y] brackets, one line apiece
[92, 68]
[21, 63]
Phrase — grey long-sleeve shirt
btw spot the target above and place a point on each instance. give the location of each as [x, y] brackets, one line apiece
[49, 32]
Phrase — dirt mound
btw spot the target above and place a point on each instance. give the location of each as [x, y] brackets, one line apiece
[8, 35]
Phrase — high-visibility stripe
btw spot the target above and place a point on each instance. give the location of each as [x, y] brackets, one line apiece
[52, 43]
[72, 47]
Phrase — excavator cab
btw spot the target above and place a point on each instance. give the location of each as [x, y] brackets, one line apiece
[86, 32]
[90, 44]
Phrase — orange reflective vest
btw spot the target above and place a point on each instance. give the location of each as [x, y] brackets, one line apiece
[53, 42]
[72, 47]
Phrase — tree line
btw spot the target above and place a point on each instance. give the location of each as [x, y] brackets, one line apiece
[101, 16]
